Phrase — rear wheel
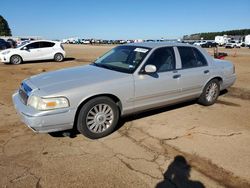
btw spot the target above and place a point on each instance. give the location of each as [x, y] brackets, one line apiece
[16, 59]
[98, 117]
[210, 93]
[58, 57]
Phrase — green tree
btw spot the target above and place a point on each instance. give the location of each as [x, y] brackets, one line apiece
[211, 35]
[4, 27]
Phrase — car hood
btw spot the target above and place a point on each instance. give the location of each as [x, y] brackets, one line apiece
[11, 50]
[74, 77]
[4, 51]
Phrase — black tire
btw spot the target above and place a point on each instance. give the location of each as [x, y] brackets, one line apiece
[58, 57]
[16, 59]
[85, 113]
[206, 99]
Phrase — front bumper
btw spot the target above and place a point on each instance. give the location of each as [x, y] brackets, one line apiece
[44, 121]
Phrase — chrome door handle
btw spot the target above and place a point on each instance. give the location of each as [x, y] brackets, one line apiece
[176, 76]
[206, 71]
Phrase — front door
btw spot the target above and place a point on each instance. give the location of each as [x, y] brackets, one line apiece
[33, 52]
[161, 87]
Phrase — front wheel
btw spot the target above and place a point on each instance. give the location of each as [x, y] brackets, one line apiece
[58, 57]
[16, 59]
[210, 93]
[98, 117]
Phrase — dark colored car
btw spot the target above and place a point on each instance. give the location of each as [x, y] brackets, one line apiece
[13, 43]
[4, 45]
[209, 44]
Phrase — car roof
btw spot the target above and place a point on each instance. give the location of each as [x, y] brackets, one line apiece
[43, 41]
[158, 44]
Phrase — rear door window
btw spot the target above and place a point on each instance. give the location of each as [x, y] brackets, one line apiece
[191, 57]
[46, 44]
[201, 61]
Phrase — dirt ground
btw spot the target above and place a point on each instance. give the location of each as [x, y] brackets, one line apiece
[192, 145]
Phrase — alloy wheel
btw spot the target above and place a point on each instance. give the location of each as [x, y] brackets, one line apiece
[212, 92]
[99, 118]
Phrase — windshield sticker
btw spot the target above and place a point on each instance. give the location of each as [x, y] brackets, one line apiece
[142, 50]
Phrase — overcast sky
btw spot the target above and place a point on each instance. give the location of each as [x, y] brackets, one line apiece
[123, 19]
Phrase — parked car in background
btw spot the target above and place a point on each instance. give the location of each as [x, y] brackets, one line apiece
[12, 43]
[241, 44]
[127, 79]
[4, 44]
[33, 51]
[209, 44]
[232, 44]
[85, 41]
[199, 43]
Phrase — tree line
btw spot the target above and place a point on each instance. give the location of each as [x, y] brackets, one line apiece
[211, 35]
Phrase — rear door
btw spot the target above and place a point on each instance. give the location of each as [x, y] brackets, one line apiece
[194, 71]
[47, 50]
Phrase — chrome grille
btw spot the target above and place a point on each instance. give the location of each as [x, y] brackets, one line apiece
[24, 92]
[24, 97]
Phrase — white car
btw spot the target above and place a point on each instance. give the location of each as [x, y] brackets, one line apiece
[199, 43]
[34, 51]
[232, 44]
[85, 41]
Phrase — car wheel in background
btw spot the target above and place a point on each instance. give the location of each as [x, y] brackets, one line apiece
[210, 93]
[58, 57]
[98, 117]
[16, 59]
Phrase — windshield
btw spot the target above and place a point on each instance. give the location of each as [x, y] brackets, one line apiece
[123, 58]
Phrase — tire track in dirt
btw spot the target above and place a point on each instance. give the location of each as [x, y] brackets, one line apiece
[239, 93]
[200, 164]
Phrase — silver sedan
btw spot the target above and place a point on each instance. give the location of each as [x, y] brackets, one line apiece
[127, 79]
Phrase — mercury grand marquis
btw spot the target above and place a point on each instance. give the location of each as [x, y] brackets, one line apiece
[127, 79]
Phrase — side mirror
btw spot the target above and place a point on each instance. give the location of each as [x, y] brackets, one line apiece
[25, 48]
[150, 69]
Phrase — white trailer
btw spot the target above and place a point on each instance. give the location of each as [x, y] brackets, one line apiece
[221, 40]
[247, 40]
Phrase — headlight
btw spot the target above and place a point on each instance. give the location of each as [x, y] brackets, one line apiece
[6, 52]
[47, 103]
